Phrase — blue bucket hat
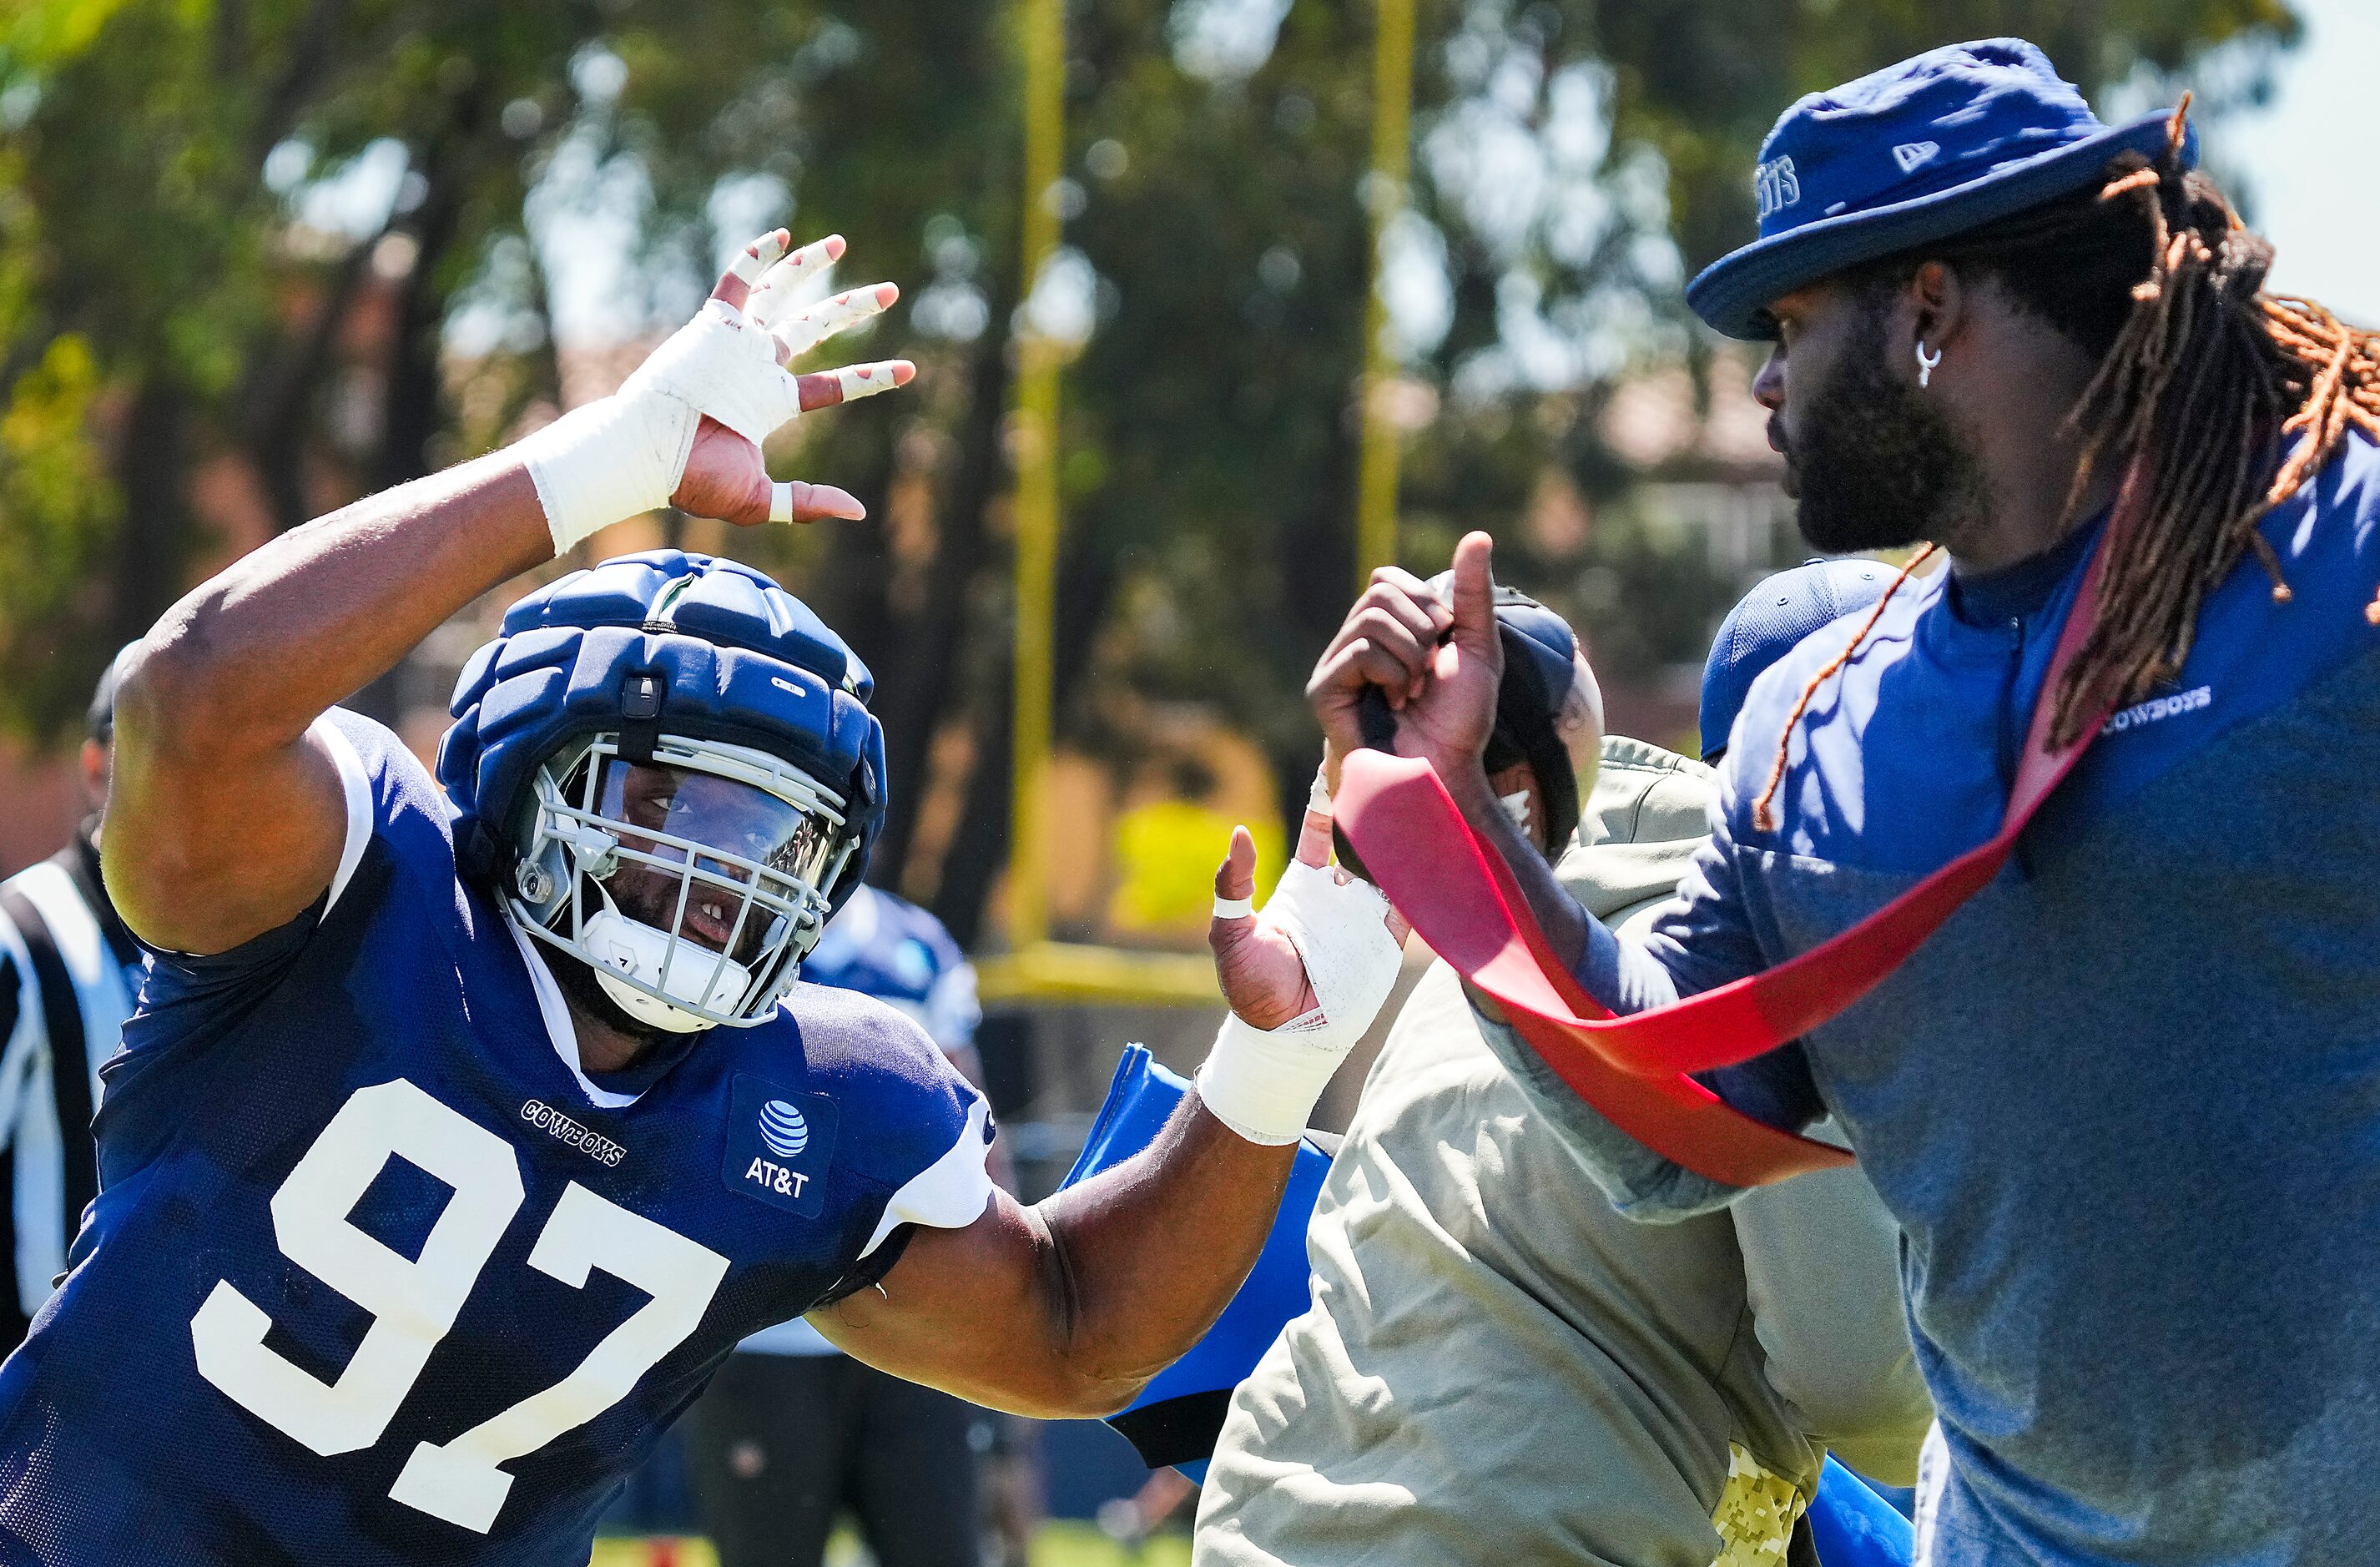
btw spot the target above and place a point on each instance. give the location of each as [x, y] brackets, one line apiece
[1954, 138]
[1768, 622]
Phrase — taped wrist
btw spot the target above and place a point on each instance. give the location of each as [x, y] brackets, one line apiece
[625, 454]
[1263, 1083]
[1264, 1086]
[606, 460]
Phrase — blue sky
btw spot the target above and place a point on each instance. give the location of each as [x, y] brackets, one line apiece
[2307, 158]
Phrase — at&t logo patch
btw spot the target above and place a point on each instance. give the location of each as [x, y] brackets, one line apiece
[782, 1128]
[780, 1144]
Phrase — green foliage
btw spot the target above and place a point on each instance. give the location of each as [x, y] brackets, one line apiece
[164, 306]
[58, 507]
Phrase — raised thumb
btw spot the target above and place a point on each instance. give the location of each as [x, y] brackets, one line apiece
[1474, 592]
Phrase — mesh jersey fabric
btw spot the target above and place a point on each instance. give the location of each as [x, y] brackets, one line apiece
[239, 1088]
[885, 946]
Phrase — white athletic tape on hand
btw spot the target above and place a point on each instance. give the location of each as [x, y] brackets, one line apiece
[756, 258]
[781, 502]
[1340, 930]
[1264, 1085]
[1234, 908]
[822, 321]
[1317, 798]
[723, 364]
[606, 460]
[856, 382]
[625, 454]
[1516, 807]
[781, 289]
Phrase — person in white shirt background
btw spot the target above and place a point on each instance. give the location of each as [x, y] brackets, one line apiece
[69, 975]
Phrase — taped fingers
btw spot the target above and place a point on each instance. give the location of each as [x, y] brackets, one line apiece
[825, 388]
[798, 501]
[1314, 827]
[823, 319]
[759, 256]
[750, 264]
[780, 289]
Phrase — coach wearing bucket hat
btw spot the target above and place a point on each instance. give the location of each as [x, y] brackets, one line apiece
[2124, 1100]
[1953, 138]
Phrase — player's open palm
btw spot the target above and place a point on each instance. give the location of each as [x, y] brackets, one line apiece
[733, 362]
[1262, 977]
[1262, 974]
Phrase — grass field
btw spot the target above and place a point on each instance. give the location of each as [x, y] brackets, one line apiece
[1058, 1544]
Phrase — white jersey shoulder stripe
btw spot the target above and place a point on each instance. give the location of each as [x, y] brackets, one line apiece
[357, 781]
[948, 1194]
[102, 994]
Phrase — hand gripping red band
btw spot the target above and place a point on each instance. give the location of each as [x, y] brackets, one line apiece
[1464, 900]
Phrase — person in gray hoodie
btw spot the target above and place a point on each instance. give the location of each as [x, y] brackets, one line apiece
[1496, 1366]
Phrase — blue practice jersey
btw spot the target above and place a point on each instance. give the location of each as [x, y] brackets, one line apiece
[378, 1275]
[887, 947]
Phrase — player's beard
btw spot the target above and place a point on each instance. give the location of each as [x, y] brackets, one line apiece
[1878, 465]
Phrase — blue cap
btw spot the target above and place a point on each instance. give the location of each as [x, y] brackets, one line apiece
[1768, 622]
[1953, 138]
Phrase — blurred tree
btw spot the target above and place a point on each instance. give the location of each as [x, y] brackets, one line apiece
[251, 241]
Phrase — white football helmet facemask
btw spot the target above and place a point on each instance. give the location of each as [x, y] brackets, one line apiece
[693, 884]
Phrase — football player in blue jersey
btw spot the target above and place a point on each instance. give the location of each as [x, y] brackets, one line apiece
[459, 1138]
[790, 1432]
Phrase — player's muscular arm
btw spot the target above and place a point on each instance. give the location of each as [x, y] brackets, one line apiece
[1067, 1307]
[226, 817]
[1064, 1309]
[1439, 663]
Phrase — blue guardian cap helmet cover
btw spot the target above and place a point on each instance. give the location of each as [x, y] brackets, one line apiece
[1770, 622]
[665, 768]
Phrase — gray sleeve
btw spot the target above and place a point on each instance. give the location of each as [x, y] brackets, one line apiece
[1700, 939]
[1821, 1267]
[1641, 1184]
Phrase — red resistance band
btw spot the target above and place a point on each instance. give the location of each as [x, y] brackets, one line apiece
[1464, 900]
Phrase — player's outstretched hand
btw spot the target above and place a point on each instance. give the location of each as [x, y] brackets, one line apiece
[1436, 658]
[1256, 962]
[1262, 977]
[755, 305]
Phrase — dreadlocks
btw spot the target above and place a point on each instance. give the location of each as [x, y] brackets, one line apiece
[2208, 376]
[2203, 381]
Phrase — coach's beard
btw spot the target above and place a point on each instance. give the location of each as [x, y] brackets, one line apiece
[1877, 464]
